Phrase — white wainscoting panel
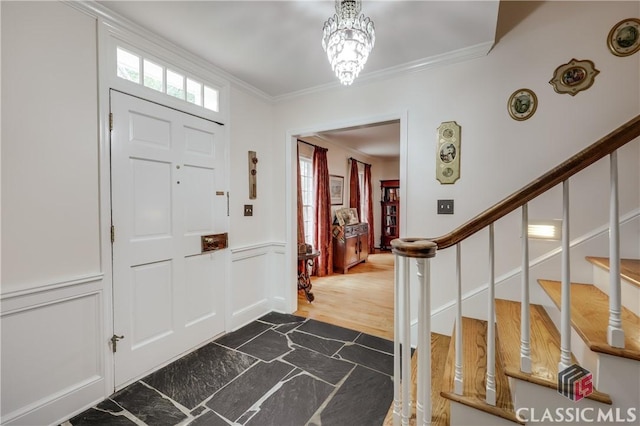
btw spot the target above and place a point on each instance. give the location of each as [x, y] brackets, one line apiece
[257, 284]
[249, 285]
[52, 352]
[280, 286]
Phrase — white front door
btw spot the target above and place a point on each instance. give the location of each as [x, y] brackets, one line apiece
[168, 189]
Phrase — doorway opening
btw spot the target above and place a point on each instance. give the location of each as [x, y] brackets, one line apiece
[357, 299]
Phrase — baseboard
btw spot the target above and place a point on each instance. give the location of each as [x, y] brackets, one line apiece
[248, 314]
[57, 408]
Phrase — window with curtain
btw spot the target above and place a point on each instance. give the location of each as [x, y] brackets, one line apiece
[363, 198]
[306, 181]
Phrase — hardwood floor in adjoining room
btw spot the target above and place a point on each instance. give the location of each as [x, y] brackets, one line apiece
[361, 299]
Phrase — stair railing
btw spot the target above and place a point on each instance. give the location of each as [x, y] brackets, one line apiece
[607, 145]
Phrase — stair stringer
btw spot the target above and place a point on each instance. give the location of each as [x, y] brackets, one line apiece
[611, 374]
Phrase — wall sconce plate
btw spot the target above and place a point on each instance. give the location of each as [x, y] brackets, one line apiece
[253, 171]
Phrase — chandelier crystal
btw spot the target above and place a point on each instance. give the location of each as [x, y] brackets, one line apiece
[348, 39]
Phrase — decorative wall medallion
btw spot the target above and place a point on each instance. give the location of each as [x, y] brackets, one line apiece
[522, 104]
[624, 37]
[448, 152]
[574, 76]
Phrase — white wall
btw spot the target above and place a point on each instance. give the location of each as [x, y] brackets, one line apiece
[40, 137]
[52, 291]
[498, 155]
[254, 246]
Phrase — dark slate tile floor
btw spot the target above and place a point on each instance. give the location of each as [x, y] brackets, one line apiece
[279, 370]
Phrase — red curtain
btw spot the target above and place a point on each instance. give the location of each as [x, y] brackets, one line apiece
[322, 198]
[368, 205]
[300, 206]
[354, 189]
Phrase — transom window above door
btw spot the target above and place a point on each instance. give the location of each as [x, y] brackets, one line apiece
[154, 75]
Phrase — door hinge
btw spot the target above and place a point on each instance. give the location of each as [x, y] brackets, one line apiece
[114, 342]
[113, 234]
[110, 121]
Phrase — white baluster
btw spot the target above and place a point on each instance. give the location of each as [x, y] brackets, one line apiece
[615, 334]
[525, 327]
[422, 250]
[397, 309]
[458, 380]
[406, 345]
[565, 315]
[491, 340]
[423, 398]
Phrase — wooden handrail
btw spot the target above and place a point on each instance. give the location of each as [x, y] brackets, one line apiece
[605, 146]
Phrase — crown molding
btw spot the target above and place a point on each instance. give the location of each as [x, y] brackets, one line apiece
[448, 58]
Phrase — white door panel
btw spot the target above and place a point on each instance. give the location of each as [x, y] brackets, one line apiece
[166, 168]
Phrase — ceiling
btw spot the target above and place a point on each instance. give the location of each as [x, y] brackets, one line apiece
[379, 140]
[274, 46]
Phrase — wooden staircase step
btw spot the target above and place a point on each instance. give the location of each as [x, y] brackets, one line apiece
[629, 268]
[439, 405]
[474, 370]
[590, 318]
[544, 346]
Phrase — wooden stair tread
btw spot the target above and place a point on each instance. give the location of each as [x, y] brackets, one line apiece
[544, 346]
[590, 320]
[439, 405]
[474, 373]
[629, 268]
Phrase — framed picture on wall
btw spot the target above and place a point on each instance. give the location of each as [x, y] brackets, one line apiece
[522, 104]
[574, 76]
[624, 37]
[336, 189]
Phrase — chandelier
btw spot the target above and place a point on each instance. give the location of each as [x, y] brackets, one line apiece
[348, 39]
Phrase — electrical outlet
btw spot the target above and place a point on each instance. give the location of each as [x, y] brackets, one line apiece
[248, 209]
[445, 206]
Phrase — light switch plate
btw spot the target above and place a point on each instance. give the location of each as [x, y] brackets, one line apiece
[248, 209]
[445, 206]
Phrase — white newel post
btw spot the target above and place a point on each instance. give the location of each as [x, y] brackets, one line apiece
[397, 308]
[615, 333]
[421, 250]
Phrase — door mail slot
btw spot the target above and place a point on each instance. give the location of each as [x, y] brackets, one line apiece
[214, 242]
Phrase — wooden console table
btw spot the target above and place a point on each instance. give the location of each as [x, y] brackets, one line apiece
[350, 246]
